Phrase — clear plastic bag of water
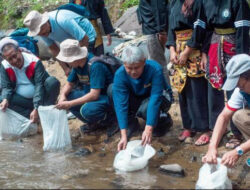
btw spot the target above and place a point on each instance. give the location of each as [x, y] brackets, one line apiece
[56, 135]
[14, 125]
[213, 176]
[134, 157]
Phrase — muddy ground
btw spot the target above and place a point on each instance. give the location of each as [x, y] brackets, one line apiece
[170, 150]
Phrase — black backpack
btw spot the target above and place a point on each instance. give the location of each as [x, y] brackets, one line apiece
[112, 62]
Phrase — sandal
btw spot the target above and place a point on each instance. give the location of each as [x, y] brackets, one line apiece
[203, 139]
[185, 134]
[233, 143]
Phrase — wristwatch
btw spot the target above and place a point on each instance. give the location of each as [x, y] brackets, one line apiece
[239, 150]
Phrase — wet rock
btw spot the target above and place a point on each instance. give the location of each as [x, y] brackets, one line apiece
[128, 21]
[188, 140]
[193, 159]
[75, 135]
[160, 153]
[83, 152]
[173, 170]
[20, 140]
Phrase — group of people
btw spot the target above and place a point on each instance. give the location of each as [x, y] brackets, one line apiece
[208, 43]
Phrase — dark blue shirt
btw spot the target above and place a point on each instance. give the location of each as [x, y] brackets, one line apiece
[150, 84]
[246, 97]
[98, 76]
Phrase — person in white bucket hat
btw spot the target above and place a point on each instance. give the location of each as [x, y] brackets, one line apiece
[91, 103]
[237, 108]
[59, 25]
[25, 83]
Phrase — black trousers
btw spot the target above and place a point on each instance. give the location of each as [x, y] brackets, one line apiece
[138, 107]
[200, 105]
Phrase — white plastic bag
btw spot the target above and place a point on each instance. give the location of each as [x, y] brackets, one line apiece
[54, 122]
[134, 157]
[213, 176]
[12, 124]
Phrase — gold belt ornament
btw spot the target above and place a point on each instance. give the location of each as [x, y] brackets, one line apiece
[224, 31]
[192, 66]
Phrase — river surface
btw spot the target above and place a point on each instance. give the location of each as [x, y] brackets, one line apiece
[25, 165]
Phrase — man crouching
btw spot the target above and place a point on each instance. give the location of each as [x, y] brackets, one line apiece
[25, 83]
[139, 90]
[90, 104]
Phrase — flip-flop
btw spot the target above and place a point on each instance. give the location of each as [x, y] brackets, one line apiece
[233, 143]
[203, 140]
[185, 134]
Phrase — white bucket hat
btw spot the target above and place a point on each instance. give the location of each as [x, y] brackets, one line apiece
[237, 65]
[34, 20]
[6, 41]
[70, 50]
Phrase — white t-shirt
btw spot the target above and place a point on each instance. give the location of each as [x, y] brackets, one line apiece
[236, 101]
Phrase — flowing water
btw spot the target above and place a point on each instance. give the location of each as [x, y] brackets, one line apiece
[23, 164]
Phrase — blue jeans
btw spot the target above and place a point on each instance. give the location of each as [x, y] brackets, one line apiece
[90, 112]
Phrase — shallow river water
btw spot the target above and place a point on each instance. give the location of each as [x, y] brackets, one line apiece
[24, 165]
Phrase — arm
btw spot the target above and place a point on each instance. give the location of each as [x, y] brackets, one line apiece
[242, 24]
[91, 96]
[107, 25]
[39, 79]
[120, 94]
[219, 130]
[7, 86]
[65, 91]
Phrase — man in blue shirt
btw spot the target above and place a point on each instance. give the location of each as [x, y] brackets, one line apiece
[137, 91]
[91, 103]
[59, 25]
[237, 109]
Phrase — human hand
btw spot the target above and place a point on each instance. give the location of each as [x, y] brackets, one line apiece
[230, 158]
[183, 58]
[211, 156]
[147, 135]
[203, 61]
[109, 38]
[4, 104]
[122, 144]
[173, 56]
[34, 116]
[65, 105]
[62, 99]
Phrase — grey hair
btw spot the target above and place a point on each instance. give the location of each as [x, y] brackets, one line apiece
[132, 54]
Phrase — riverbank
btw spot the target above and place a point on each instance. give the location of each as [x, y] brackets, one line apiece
[169, 150]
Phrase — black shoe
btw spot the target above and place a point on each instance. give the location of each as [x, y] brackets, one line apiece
[112, 129]
[88, 128]
[164, 123]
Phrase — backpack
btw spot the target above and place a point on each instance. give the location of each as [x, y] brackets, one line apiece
[78, 9]
[20, 35]
[112, 62]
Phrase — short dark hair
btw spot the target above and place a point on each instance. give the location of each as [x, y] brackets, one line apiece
[246, 74]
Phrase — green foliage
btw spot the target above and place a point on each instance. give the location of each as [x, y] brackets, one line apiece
[12, 12]
[129, 3]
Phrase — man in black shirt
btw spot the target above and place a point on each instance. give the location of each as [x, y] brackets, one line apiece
[153, 15]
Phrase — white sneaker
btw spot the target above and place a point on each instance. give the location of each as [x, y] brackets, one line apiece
[71, 116]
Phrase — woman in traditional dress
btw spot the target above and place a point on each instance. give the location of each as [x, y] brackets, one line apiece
[188, 55]
[229, 21]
